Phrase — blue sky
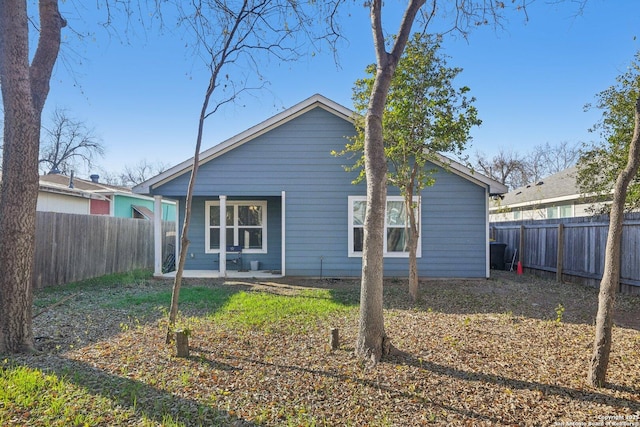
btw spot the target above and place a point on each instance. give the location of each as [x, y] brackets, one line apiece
[142, 93]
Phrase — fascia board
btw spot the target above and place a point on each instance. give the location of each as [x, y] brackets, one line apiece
[459, 169]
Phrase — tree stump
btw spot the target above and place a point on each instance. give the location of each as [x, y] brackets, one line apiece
[334, 339]
[182, 343]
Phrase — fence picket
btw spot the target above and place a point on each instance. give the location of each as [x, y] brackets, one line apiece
[582, 241]
[73, 247]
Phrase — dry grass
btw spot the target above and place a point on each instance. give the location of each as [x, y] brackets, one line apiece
[512, 350]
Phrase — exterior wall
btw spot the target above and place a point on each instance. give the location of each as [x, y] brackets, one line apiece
[541, 211]
[100, 207]
[53, 202]
[123, 207]
[295, 158]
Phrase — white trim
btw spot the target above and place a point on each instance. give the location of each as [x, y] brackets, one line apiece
[350, 227]
[235, 204]
[283, 209]
[222, 258]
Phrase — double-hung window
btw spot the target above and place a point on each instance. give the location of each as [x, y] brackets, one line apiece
[396, 226]
[246, 226]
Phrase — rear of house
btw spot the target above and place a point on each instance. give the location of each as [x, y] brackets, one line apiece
[279, 194]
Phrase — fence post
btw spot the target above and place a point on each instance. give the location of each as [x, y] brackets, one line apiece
[521, 246]
[560, 257]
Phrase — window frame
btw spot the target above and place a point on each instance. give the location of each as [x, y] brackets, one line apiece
[351, 226]
[235, 204]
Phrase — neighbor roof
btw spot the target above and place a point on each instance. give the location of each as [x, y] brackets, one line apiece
[82, 184]
[556, 187]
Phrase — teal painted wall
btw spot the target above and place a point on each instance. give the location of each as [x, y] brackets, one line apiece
[123, 207]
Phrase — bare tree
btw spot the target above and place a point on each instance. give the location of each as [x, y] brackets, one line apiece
[233, 39]
[25, 87]
[224, 31]
[506, 167]
[66, 143]
[611, 275]
[515, 169]
[135, 174]
[548, 159]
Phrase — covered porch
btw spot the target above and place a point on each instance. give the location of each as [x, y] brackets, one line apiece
[233, 241]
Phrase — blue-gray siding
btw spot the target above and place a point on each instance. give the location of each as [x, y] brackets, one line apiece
[295, 158]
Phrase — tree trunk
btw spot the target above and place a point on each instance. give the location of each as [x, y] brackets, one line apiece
[611, 276]
[24, 90]
[373, 343]
[414, 236]
[184, 239]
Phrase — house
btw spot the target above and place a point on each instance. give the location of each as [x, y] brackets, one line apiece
[61, 193]
[276, 192]
[556, 196]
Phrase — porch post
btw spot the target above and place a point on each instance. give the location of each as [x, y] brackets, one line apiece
[157, 235]
[283, 209]
[487, 238]
[223, 236]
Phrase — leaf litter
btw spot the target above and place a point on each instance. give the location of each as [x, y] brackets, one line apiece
[496, 352]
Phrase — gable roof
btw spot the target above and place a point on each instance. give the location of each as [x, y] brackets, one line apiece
[315, 101]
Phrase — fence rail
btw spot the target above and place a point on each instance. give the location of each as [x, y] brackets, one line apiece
[573, 248]
[72, 247]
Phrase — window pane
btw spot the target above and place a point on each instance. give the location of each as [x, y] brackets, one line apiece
[214, 238]
[552, 212]
[396, 213]
[229, 215]
[230, 240]
[214, 216]
[358, 238]
[359, 211]
[250, 238]
[249, 215]
[397, 239]
[565, 211]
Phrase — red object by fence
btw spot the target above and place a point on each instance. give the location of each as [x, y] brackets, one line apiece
[519, 267]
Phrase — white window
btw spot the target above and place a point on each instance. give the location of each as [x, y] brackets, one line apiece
[566, 211]
[396, 227]
[246, 226]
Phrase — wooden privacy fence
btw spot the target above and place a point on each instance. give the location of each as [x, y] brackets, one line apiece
[73, 247]
[573, 248]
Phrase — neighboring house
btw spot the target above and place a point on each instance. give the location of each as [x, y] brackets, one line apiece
[276, 191]
[556, 196]
[60, 193]
[54, 197]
